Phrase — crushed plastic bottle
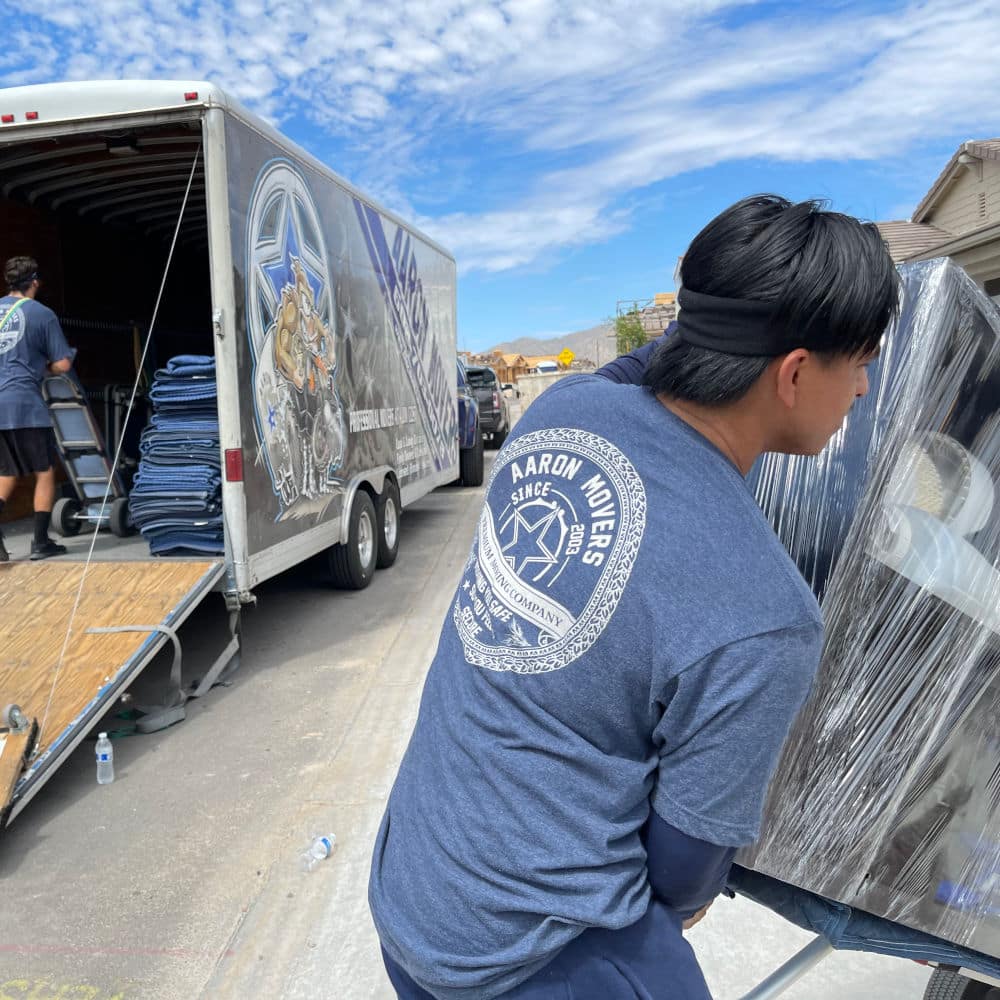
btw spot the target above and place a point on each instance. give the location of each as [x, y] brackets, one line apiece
[105, 760]
[319, 850]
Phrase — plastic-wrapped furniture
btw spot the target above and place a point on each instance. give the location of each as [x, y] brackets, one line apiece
[887, 798]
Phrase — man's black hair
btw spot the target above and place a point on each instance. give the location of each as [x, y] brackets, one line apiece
[830, 278]
[20, 272]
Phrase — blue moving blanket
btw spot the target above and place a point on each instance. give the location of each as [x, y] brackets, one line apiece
[176, 499]
[848, 929]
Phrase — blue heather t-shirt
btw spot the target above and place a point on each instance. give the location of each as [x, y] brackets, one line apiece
[30, 339]
[628, 633]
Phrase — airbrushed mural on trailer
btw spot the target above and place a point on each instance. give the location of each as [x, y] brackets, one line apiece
[348, 330]
[300, 418]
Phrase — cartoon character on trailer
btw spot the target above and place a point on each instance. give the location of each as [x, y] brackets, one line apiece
[299, 414]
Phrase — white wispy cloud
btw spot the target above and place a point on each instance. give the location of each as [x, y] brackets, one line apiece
[618, 94]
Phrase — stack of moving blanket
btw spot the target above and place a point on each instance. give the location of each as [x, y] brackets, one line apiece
[176, 500]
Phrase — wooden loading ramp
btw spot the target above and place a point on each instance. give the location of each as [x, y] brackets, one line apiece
[67, 700]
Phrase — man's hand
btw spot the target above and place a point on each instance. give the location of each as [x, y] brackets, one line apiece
[697, 918]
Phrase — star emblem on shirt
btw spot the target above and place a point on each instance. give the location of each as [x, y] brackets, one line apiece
[536, 534]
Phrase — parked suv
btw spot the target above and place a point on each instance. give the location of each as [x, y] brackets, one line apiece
[470, 434]
[494, 410]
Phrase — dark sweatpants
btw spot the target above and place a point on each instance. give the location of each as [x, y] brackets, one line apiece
[650, 960]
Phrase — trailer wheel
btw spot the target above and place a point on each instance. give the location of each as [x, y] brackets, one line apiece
[470, 463]
[64, 517]
[119, 519]
[945, 985]
[352, 564]
[387, 511]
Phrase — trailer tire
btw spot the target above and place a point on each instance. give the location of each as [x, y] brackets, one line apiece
[387, 511]
[352, 564]
[945, 985]
[64, 516]
[119, 519]
[470, 463]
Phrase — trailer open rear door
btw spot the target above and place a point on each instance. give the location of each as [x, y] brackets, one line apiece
[71, 643]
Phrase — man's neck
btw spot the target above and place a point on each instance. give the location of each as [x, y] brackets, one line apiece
[15, 294]
[734, 429]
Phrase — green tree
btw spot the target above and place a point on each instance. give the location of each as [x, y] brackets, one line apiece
[629, 333]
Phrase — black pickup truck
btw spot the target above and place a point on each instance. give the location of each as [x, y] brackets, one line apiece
[494, 410]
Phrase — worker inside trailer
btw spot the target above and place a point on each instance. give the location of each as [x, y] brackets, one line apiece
[630, 643]
[32, 345]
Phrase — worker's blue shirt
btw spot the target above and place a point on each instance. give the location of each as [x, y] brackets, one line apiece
[628, 632]
[30, 338]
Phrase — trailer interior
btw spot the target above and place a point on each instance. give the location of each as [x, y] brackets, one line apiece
[99, 211]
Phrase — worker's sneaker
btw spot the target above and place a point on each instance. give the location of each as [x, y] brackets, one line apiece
[46, 549]
[4, 554]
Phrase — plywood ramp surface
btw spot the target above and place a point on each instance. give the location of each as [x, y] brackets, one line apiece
[36, 602]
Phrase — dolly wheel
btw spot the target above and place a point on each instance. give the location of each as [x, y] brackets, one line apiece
[65, 516]
[120, 520]
[948, 985]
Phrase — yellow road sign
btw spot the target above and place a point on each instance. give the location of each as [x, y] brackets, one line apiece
[566, 356]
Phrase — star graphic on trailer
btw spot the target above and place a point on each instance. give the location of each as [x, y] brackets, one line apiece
[279, 271]
[536, 532]
[271, 417]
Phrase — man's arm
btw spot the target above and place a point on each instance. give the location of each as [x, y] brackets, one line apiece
[723, 725]
[58, 353]
[684, 873]
[629, 368]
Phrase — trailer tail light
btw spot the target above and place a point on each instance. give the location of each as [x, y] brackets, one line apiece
[234, 465]
[6, 119]
[191, 95]
[32, 116]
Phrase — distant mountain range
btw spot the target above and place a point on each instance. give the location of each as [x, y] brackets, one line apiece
[596, 344]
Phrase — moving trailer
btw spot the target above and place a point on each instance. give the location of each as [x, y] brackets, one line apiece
[168, 220]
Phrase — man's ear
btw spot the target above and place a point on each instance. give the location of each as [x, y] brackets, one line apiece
[789, 374]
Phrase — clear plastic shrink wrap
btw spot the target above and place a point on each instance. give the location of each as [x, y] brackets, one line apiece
[888, 794]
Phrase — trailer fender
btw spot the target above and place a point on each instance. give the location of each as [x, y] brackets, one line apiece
[375, 478]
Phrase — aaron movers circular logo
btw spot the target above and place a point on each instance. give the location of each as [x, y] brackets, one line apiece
[11, 328]
[556, 544]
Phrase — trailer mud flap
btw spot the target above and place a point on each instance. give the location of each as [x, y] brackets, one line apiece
[68, 651]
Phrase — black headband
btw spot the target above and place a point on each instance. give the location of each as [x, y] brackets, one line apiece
[730, 326]
[25, 281]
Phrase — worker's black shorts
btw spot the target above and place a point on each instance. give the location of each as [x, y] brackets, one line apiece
[24, 450]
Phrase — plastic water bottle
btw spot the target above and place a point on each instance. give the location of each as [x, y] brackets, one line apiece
[105, 760]
[319, 850]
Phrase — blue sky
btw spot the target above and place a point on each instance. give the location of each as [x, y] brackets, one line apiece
[566, 151]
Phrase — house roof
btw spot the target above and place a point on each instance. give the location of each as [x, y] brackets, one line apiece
[907, 239]
[511, 360]
[983, 149]
[975, 238]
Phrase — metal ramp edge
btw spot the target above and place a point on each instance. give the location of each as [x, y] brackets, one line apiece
[127, 612]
